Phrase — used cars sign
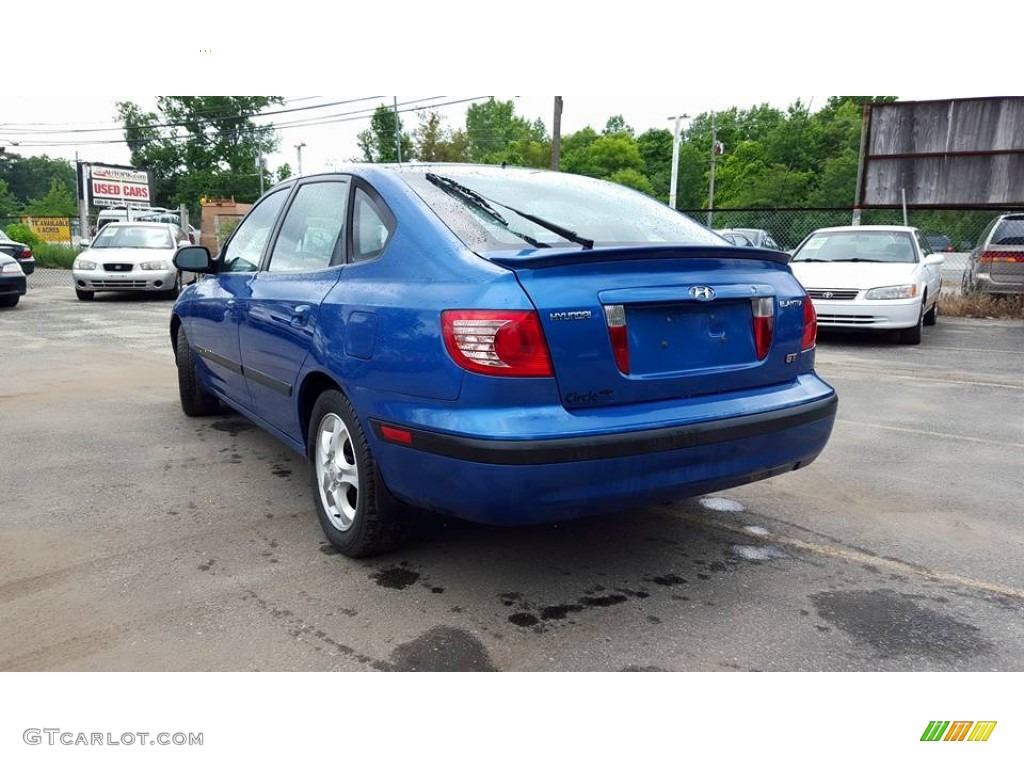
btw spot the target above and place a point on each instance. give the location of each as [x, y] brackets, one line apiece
[110, 186]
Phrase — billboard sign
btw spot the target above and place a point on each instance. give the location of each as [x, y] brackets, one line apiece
[49, 228]
[952, 153]
[116, 186]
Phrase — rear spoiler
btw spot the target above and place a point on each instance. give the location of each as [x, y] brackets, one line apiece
[561, 257]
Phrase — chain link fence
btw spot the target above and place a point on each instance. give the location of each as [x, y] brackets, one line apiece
[952, 232]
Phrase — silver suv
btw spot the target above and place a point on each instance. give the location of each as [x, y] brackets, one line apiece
[996, 264]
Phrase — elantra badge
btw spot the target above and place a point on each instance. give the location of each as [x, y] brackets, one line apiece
[702, 293]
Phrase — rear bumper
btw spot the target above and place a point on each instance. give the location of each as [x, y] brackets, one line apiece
[12, 285]
[511, 482]
[985, 283]
[28, 266]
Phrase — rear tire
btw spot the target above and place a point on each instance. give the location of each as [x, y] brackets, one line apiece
[913, 335]
[9, 301]
[195, 400]
[358, 514]
[84, 295]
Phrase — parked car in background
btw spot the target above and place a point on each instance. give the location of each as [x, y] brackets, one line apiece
[12, 281]
[735, 238]
[129, 256]
[939, 243]
[19, 251]
[996, 265]
[759, 238]
[503, 345]
[871, 278]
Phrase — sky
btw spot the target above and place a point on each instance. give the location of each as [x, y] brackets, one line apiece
[646, 61]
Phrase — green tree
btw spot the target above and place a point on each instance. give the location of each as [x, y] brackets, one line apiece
[284, 171]
[9, 204]
[655, 146]
[617, 124]
[377, 143]
[200, 146]
[631, 177]
[30, 177]
[436, 144]
[496, 134]
[58, 201]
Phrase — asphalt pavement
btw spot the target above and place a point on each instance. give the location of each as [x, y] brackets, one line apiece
[135, 538]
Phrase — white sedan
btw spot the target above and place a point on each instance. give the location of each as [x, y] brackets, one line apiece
[130, 256]
[871, 278]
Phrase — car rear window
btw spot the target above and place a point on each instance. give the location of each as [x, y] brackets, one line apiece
[1009, 231]
[606, 213]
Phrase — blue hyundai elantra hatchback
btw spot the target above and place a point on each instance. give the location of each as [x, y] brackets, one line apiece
[503, 345]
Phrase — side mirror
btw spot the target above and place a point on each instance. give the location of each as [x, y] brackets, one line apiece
[193, 258]
[935, 258]
[184, 243]
[84, 242]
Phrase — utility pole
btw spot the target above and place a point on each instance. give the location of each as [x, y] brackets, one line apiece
[716, 150]
[83, 199]
[675, 161]
[556, 135]
[259, 169]
[298, 150]
[398, 132]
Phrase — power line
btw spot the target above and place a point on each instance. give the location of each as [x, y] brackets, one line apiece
[342, 117]
[203, 115]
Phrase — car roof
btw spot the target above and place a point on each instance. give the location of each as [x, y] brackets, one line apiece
[119, 224]
[369, 171]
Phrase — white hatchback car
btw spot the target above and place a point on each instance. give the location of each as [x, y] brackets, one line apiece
[130, 256]
[871, 278]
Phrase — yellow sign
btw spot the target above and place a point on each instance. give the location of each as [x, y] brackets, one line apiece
[52, 229]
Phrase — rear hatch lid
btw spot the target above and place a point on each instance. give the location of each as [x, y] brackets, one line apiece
[690, 317]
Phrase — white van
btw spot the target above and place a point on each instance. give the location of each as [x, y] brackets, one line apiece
[164, 215]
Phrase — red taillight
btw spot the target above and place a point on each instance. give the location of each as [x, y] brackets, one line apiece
[1006, 257]
[26, 253]
[810, 326]
[764, 325]
[615, 318]
[496, 342]
[949, 248]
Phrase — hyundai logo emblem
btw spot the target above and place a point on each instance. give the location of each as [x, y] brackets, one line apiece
[702, 293]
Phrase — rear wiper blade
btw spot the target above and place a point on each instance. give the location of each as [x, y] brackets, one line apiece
[479, 202]
[559, 230]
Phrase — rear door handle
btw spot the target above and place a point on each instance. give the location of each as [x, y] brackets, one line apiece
[300, 314]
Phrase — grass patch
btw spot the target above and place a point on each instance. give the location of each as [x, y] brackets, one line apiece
[55, 256]
[983, 305]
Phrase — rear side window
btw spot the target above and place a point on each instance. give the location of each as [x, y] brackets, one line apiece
[371, 227]
[1009, 231]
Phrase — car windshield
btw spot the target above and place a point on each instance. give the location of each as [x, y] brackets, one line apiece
[133, 237]
[592, 210]
[882, 246]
